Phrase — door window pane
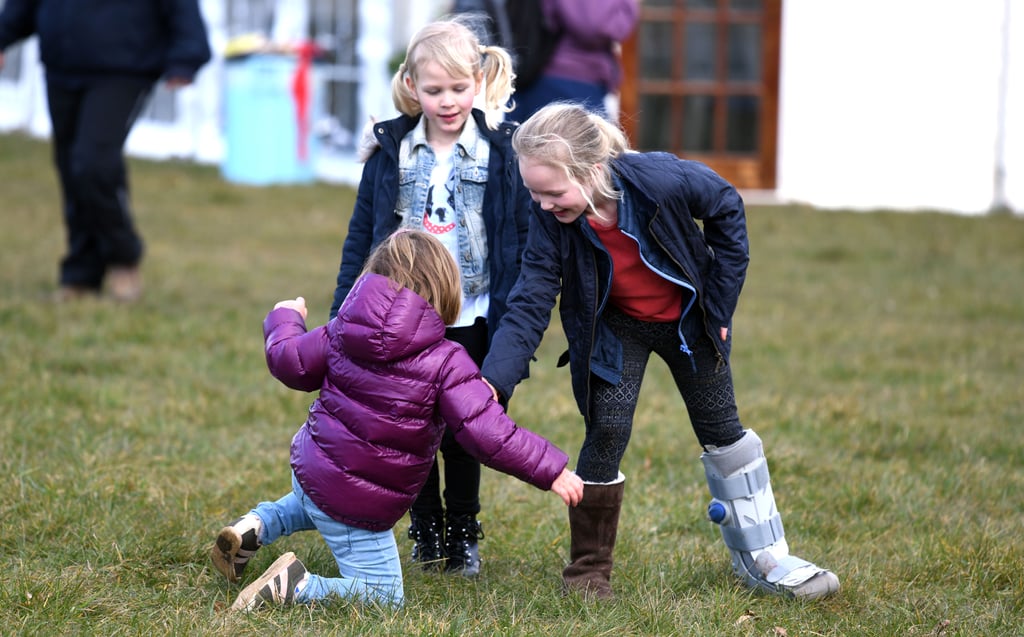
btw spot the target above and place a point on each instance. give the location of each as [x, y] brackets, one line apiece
[742, 114]
[744, 64]
[698, 123]
[656, 50]
[700, 51]
[700, 4]
[654, 121]
[745, 5]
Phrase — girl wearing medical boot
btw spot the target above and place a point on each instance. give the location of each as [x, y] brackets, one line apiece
[645, 253]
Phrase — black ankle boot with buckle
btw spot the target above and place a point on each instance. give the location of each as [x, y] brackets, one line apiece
[462, 532]
[428, 534]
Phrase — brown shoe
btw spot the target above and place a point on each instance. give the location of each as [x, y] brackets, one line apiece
[124, 283]
[72, 293]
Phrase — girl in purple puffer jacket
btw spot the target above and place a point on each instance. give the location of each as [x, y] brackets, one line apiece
[390, 383]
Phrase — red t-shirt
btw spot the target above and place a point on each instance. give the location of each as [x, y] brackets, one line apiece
[636, 289]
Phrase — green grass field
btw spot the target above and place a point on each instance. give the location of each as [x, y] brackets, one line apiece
[879, 356]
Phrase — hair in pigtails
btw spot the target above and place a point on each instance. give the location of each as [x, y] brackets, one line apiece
[498, 87]
[401, 96]
[455, 47]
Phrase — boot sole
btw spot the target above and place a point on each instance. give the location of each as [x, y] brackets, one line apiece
[224, 551]
[250, 599]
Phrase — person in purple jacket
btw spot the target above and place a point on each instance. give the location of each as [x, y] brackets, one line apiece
[390, 385]
[585, 66]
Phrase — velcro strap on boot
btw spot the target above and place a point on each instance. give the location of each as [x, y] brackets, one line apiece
[741, 485]
[756, 537]
[787, 565]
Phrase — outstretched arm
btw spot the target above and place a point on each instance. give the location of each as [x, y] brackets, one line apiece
[295, 357]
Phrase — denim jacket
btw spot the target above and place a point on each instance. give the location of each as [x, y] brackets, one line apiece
[505, 207]
[416, 162]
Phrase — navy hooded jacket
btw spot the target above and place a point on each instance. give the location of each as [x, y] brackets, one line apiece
[664, 197]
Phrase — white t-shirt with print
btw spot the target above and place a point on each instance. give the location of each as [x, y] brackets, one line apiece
[439, 220]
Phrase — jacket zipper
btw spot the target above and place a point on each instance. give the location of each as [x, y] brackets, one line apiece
[696, 297]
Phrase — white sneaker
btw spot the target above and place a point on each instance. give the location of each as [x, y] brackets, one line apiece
[277, 585]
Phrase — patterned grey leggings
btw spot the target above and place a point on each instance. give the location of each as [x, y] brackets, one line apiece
[707, 393]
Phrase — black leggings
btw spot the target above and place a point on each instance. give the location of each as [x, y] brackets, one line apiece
[707, 393]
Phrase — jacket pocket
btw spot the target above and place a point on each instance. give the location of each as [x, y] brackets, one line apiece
[406, 190]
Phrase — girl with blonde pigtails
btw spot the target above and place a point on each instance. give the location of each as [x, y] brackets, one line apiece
[446, 167]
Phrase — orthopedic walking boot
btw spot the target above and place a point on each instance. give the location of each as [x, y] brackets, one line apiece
[744, 507]
[593, 526]
[462, 534]
[427, 531]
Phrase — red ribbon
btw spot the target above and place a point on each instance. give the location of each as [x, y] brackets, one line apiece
[301, 94]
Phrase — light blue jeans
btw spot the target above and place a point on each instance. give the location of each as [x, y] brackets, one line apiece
[368, 561]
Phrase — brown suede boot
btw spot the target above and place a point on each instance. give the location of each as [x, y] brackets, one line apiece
[593, 525]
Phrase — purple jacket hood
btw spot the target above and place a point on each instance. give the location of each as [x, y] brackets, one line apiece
[389, 384]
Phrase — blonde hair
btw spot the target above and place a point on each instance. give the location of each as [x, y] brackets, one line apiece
[418, 261]
[566, 136]
[452, 44]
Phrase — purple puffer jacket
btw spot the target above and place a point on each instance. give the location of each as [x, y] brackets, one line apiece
[389, 384]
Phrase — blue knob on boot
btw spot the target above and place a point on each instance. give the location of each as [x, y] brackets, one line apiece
[718, 512]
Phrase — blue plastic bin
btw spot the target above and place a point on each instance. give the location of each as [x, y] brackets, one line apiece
[261, 122]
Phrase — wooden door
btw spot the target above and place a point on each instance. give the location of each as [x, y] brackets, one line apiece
[701, 81]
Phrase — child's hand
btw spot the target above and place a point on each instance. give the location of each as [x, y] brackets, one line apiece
[494, 392]
[298, 304]
[569, 487]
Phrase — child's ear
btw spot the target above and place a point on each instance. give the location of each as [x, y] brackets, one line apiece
[478, 78]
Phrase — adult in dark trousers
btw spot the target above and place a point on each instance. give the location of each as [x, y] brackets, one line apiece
[102, 60]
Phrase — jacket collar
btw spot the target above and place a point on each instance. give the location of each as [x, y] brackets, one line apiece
[390, 133]
[467, 140]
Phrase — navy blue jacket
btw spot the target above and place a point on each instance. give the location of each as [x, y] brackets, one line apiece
[80, 39]
[505, 210]
[664, 197]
